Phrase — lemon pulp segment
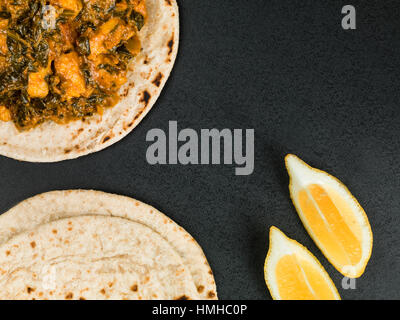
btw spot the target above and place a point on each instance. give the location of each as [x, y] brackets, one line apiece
[300, 280]
[328, 225]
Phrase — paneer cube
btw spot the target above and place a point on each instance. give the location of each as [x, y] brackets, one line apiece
[5, 114]
[37, 84]
[73, 5]
[110, 34]
[3, 36]
[72, 79]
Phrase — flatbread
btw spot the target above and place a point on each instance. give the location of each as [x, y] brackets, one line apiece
[51, 142]
[102, 231]
[93, 257]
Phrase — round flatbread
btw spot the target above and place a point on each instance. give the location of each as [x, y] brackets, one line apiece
[49, 242]
[51, 142]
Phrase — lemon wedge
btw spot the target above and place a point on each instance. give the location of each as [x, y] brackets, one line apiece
[332, 216]
[293, 273]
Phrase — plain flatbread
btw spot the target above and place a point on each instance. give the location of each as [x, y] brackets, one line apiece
[114, 219]
[93, 257]
[51, 142]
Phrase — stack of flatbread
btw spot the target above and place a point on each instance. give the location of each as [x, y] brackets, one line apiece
[93, 245]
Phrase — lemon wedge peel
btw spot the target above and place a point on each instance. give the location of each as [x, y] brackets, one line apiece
[302, 176]
[280, 246]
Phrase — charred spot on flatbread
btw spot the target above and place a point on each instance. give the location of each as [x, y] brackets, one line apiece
[69, 296]
[106, 138]
[145, 97]
[29, 290]
[134, 288]
[170, 45]
[157, 79]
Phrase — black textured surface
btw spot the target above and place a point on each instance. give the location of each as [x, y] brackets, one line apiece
[288, 70]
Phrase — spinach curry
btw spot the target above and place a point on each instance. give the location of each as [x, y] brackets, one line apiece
[64, 60]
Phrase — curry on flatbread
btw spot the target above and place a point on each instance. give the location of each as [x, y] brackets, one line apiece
[78, 75]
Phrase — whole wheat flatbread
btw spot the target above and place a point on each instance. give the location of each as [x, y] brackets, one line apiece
[51, 142]
[80, 230]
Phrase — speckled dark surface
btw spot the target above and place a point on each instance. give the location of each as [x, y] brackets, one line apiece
[288, 70]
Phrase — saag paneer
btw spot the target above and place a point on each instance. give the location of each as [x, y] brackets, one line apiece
[65, 60]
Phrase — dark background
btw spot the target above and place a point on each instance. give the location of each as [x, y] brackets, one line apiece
[287, 69]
